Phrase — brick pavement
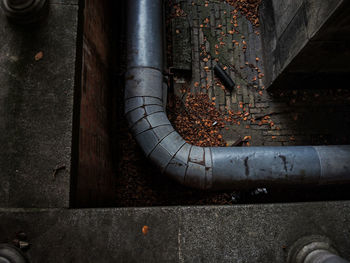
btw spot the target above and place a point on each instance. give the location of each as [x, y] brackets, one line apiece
[220, 34]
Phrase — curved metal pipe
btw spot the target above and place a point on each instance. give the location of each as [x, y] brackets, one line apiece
[207, 167]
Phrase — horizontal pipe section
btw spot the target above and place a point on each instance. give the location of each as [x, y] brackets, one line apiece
[207, 167]
[323, 256]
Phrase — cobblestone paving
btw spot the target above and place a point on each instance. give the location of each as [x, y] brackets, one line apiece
[220, 34]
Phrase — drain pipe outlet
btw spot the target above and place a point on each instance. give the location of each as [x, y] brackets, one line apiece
[207, 167]
[314, 249]
[25, 11]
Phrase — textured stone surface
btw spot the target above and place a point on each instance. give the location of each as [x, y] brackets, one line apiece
[254, 233]
[36, 109]
[284, 11]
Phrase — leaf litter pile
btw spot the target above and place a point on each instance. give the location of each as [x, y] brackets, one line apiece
[249, 8]
[197, 120]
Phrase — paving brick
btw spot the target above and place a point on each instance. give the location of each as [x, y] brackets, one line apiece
[254, 110]
[245, 94]
[262, 105]
[273, 143]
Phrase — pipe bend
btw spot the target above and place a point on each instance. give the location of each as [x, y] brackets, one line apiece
[207, 167]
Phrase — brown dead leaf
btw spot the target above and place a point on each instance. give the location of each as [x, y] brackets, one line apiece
[39, 56]
[145, 230]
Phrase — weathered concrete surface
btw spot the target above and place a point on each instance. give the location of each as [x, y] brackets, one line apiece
[304, 39]
[36, 109]
[256, 233]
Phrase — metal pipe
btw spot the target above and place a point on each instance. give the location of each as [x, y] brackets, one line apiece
[323, 256]
[207, 167]
[224, 77]
[10, 253]
[25, 11]
[314, 249]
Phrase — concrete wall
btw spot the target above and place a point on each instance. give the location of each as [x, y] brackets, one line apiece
[36, 108]
[244, 234]
[55, 111]
[303, 36]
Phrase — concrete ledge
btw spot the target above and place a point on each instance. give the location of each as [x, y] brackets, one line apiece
[253, 233]
[36, 108]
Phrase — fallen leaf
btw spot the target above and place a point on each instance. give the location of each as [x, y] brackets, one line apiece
[39, 56]
[145, 230]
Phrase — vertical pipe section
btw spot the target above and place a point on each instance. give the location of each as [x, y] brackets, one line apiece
[145, 38]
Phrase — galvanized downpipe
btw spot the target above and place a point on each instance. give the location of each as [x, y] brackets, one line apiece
[207, 167]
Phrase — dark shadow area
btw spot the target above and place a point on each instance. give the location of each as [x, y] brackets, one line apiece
[315, 116]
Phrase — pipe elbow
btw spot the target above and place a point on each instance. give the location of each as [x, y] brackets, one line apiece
[188, 164]
[212, 167]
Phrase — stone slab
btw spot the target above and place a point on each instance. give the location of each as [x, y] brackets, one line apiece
[284, 11]
[242, 233]
[36, 109]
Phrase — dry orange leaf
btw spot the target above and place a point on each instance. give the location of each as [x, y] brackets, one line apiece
[145, 230]
[39, 56]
